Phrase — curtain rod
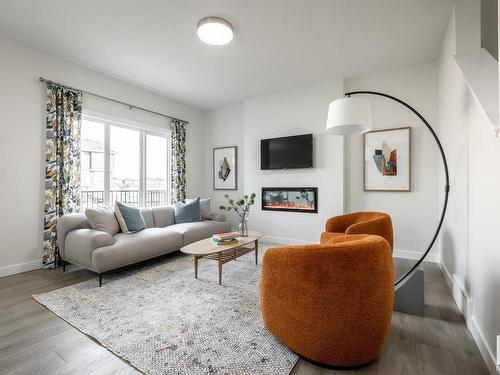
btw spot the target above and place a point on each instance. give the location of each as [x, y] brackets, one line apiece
[131, 106]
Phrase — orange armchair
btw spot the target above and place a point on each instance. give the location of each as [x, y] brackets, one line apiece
[377, 223]
[330, 303]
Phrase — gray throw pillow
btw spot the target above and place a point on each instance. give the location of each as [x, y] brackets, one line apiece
[187, 212]
[205, 210]
[129, 218]
[102, 218]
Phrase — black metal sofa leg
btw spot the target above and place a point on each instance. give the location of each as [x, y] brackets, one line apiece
[64, 265]
[100, 280]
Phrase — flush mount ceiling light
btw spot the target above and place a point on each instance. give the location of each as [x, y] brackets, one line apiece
[216, 31]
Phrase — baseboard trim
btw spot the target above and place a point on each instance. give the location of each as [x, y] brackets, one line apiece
[466, 307]
[447, 274]
[284, 241]
[20, 268]
[460, 296]
[483, 346]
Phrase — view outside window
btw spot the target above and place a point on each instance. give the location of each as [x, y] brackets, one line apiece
[125, 181]
[156, 170]
[125, 176]
[92, 163]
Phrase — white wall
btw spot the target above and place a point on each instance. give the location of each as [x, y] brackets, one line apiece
[224, 127]
[22, 138]
[415, 213]
[454, 99]
[292, 112]
[470, 240]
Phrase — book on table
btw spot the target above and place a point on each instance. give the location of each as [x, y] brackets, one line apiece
[225, 242]
[225, 236]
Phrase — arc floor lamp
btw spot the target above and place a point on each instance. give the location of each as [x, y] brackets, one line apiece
[352, 115]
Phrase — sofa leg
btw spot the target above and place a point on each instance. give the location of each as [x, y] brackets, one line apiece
[100, 280]
[64, 265]
[57, 258]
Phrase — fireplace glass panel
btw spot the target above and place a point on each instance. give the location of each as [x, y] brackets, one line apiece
[302, 199]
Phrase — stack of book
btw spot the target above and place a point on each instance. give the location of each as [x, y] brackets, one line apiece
[227, 238]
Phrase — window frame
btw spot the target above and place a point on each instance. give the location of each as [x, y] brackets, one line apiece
[143, 130]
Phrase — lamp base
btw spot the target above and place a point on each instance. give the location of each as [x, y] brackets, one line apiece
[409, 297]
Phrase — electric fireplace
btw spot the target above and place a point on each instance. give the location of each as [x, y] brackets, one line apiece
[293, 199]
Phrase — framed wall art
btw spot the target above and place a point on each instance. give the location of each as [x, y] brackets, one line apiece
[387, 160]
[225, 168]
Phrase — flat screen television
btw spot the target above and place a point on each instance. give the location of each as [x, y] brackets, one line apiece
[287, 152]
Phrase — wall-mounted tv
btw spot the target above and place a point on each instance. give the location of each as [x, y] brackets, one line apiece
[287, 152]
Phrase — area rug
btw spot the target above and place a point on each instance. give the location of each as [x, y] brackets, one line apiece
[161, 320]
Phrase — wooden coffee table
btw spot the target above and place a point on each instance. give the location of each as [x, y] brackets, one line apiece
[222, 253]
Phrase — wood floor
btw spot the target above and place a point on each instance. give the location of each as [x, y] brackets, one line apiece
[35, 341]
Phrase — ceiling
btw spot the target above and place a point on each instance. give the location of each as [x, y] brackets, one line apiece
[278, 44]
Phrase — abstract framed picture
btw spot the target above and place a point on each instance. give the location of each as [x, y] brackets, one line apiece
[225, 168]
[387, 160]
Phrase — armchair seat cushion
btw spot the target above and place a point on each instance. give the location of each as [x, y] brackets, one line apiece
[327, 236]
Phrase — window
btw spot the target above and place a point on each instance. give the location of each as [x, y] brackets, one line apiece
[157, 167]
[125, 177]
[124, 164]
[92, 178]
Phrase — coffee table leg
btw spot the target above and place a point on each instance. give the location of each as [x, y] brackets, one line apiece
[196, 266]
[256, 251]
[220, 268]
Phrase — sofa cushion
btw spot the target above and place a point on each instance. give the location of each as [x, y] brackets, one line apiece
[147, 215]
[205, 211]
[187, 212]
[103, 218]
[129, 218]
[163, 216]
[132, 248]
[198, 230]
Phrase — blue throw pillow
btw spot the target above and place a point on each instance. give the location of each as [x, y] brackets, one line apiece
[187, 212]
[129, 218]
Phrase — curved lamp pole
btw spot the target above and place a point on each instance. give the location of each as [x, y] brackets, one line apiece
[346, 116]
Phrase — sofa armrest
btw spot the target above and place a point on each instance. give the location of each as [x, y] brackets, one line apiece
[66, 224]
[80, 243]
[217, 217]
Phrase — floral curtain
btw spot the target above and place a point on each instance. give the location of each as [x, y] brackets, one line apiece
[178, 161]
[62, 163]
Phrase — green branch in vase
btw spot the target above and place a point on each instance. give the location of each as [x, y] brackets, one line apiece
[240, 206]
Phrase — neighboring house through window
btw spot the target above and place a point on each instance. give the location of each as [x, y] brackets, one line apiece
[123, 163]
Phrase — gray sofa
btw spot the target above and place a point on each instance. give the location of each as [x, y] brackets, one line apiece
[100, 252]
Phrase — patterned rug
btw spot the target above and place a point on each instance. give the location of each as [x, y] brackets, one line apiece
[161, 320]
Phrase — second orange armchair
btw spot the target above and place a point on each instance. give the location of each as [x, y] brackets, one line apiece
[377, 223]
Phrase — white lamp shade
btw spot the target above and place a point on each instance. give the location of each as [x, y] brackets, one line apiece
[349, 116]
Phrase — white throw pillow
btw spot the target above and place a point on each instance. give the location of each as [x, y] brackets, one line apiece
[103, 218]
[205, 211]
